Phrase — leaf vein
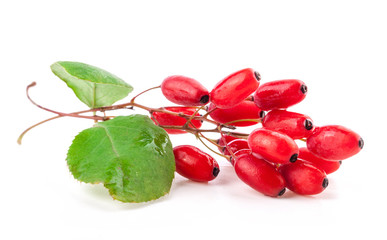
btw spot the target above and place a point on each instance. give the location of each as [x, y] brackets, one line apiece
[111, 140]
[96, 82]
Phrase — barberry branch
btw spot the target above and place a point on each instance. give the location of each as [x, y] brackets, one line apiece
[56, 112]
[131, 105]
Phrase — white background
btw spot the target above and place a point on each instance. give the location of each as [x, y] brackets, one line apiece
[338, 48]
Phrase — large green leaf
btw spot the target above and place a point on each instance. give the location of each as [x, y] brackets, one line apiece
[93, 86]
[130, 155]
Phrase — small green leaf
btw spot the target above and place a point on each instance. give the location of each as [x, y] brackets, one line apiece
[130, 155]
[93, 86]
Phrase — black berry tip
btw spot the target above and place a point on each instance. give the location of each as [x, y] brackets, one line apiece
[282, 192]
[257, 76]
[325, 183]
[262, 114]
[308, 124]
[215, 171]
[224, 149]
[293, 158]
[304, 89]
[361, 143]
[204, 99]
[231, 160]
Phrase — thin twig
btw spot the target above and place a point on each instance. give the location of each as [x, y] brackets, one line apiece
[210, 140]
[227, 157]
[19, 140]
[243, 120]
[192, 116]
[132, 104]
[56, 112]
[208, 112]
[132, 100]
[228, 149]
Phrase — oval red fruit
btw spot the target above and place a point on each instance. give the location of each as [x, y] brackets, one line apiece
[235, 88]
[273, 146]
[293, 124]
[166, 119]
[239, 153]
[327, 166]
[303, 178]
[334, 142]
[184, 91]
[259, 174]
[222, 142]
[194, 164]
[280, 94]
[244, 110]
[235, 145]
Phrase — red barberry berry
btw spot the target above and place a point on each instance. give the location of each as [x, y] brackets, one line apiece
[303, 178]
[334, 142]
[239, 153]
[194, 164]
[280, 94]
[244, 110]
[273, 146]
[295, 125]
[166, 119]
[184, 91]
[235, 145]
[259, 174]
[235, 88]
[222, 142]
[327, 166]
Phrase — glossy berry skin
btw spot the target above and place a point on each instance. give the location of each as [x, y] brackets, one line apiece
[235, 145]
[295, 125]
[259, 174]
[327, 166]
[222, 142]
[166, 119]
[334, 142]
[303, 178]
[280, 94]
[273, 146]
[184, 91]
[239, 153]
[194, 164]
[244, 110]
[235, 88]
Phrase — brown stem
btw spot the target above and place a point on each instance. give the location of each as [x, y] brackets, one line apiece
[150, 110]
[56, 112]
[214, 142]
[228, 148]
[227, 157]
[192, 116]
[132, 100]
[19, 139]
[243, 120]
[208, 112]
[130, 105]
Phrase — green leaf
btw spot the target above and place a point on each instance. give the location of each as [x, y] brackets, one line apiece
[93, 86]
[130, 155]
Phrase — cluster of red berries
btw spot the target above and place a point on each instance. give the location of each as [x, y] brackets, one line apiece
[268, 159]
